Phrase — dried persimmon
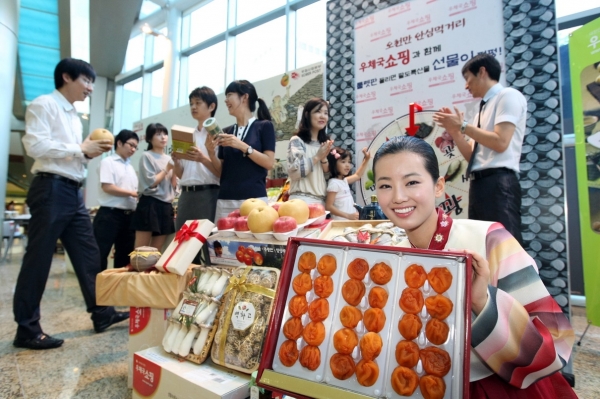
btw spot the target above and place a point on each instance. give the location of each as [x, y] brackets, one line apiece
[353, 291]
[350, 316]
[435, 361]
[404, 381]
[342, 366]
[288, 353]
[310, 357]
[367, 372]
[345, 340]
[358, 269]
[292, 329]
[410, 326]
[314, 333]
[302, 283]
[318, 310]
[432, 387]
[378, 297]
[323, 286]
[439, 306]
[415, 276]
[407, 354]
[411, 300]
[298, 305]
[307, 262]
[381, 273]
[374, 319]
[436, 331]
[327, 265]
[370, 346]
[440, 279]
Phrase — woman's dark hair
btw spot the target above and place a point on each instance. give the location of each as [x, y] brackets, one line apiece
[124, 135]
[74, 68]
[207, 95]
[488, 61]
[336, 154]
[151, 130]
[305, 126]
[412, 144]
[242, 87]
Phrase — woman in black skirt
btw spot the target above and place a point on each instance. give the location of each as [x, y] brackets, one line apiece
[153, 218]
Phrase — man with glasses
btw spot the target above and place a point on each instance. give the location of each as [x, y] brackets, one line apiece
[118, 198]
[53, 138]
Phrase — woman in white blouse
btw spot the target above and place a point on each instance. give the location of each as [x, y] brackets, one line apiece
[307, 154]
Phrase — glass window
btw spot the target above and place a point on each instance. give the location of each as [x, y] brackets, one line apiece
[148, 8]
[157, 79]
[207, 68]
[311, 34]
[160, 46]
[250, 9]
[135, 53]
[208, 21]
[131, 103]
[260, 52]
[568, 7]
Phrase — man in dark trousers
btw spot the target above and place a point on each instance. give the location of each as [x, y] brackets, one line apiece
[53, 137]
[494, 153]
[118, 198]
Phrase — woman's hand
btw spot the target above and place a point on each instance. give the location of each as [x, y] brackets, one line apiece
[231, 140]
[210, 143]
[480, 281]
[324, 150]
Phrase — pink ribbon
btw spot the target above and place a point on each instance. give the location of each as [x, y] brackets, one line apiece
[335, 154]
[184, 234]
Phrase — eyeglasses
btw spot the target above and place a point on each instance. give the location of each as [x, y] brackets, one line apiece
[133, 146]
[87, 82]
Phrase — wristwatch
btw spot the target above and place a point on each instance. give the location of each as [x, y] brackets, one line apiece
[463, 127]
[249, 151]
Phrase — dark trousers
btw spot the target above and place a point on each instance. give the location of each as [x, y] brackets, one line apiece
[113, 226]
[57, 211]
[497, 198]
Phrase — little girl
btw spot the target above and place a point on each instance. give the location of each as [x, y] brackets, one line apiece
[339, 197]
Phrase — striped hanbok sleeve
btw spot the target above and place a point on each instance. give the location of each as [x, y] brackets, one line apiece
[521, 334]
[299, 164]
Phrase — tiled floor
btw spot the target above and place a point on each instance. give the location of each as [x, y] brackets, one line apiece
[91, 365]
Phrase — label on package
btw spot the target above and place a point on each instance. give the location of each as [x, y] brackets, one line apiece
[243, 315]
[188, 308]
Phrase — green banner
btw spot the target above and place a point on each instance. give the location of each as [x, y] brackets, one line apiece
[584, 56]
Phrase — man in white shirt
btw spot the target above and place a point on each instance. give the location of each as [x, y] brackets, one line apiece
[494, 153]
[53, 137]
[199, 179]
[118, 198]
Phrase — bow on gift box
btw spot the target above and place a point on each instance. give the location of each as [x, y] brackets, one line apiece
[184, 234]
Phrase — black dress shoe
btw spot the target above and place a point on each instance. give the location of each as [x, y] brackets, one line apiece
[42, 341]
[116, 317]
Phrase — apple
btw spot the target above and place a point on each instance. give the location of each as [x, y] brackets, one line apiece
[226, 223]
[235, 214]
[241, 224]
[249, 251]
[258, 258]
[239, 255]
[276, 206]
[248, 260]
[102, 134]
[249, 205]
[284, 224]
[295, 208]
[261, 219]
[315, 210]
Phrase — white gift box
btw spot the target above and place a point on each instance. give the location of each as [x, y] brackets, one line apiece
[185, 246]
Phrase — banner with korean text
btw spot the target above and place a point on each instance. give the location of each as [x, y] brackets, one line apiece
[413, 52]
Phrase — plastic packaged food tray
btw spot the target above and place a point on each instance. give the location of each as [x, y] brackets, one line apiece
[300, 382]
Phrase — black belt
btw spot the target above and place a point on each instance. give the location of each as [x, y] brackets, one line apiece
[200, 187]
[480, 174]
[59, 177]
[123, 211]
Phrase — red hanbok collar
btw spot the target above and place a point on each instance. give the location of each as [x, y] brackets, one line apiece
[440, 236]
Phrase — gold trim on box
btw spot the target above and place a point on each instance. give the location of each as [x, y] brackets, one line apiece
[312, 389]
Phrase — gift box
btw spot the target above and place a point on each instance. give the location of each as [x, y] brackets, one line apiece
[386, 318]
[182, 139]
[121, 287]
[243, 318]
[185, 246]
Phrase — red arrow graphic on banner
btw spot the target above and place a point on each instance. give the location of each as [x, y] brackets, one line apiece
[412, 128]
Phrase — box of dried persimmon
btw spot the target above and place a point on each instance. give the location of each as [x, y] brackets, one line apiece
[368, 321]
